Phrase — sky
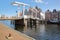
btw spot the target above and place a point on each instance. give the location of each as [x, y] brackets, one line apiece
[10, 10]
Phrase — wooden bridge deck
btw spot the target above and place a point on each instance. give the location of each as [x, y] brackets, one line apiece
[16, 18]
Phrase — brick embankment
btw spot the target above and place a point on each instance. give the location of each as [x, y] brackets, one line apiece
[7, 33]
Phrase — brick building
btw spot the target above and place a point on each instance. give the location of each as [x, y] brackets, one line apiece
[35, 12]
[52, 16]
[48, 15]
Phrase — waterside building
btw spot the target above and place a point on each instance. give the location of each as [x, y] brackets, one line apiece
[52, 16]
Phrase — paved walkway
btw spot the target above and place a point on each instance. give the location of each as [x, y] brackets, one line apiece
[7, 33]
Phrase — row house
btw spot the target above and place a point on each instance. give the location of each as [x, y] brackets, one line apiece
[35, 12]
[48, 15]
[52, 16]
[38, 12]
[32, 12]
[59, 15]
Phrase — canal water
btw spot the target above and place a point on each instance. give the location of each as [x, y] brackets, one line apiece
[41, 32]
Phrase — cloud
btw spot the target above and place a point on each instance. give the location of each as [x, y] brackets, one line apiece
[40, 1]
[46, 3]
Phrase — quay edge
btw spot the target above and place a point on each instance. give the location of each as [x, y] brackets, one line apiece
[14, 31]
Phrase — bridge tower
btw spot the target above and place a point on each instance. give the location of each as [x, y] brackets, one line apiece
[18, 4]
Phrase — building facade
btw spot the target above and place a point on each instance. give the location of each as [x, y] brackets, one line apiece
[55, 16]
[52, 16]
[35, 12]
[59, 15]
[48, 15]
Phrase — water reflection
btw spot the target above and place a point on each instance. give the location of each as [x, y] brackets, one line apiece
[19, 28]
[8, 23]
[53, 32]
[42, 29]
[43, 32]
[40, 32]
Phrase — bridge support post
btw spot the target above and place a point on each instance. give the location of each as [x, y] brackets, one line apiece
[25, 24]
[37, 22]
[31, 23]
[45, 22]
